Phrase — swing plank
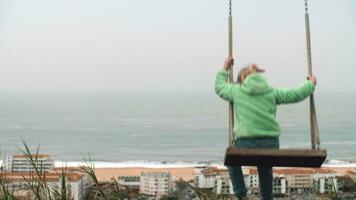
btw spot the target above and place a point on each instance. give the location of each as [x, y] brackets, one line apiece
[274, 157]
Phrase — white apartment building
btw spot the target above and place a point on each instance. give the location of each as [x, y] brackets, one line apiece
[325, 183]
[223, 185]
[279, 181]
[155, 184]
[20, 163]
[251, 181]
[294, 180]
[300, 182]
[279, 184]
[219, 180]
[206, 177]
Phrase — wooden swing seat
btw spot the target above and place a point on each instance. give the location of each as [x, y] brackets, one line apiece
[274, 157]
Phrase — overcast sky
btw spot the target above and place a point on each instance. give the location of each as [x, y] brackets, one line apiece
[170, 45]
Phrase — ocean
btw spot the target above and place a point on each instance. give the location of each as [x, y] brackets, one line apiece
[157, 127]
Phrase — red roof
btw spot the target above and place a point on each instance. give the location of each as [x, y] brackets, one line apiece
[296, 171]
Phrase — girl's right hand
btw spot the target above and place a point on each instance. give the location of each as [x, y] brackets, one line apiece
[313, 79]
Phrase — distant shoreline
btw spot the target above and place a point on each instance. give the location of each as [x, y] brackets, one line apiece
[176, 165]
[186, 173]
[165, 164]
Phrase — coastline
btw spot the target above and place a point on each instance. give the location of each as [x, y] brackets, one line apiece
[105, 171]
[180, 164]
[188, 173]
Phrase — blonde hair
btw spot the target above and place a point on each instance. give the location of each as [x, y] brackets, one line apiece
[245, 71]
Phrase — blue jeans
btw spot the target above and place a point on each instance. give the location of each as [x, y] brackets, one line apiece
[264, 172]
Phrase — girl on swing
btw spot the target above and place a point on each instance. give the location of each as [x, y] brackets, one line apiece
[255, 104]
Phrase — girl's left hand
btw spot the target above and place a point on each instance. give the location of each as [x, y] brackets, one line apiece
[228, 63]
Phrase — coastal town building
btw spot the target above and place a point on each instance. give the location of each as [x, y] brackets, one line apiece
[326, 182]
[300, 182]
[223, 184]
[219, 180]
[155, 184]
[21, 163]
[327, 185]
[77, 183]
[251, 180]
[206, 177]
[285, 180]
[294, 180]
[129, 181]
[213, 178]
[279, 184]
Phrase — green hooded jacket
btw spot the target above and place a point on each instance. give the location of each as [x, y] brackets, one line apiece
[255, 103]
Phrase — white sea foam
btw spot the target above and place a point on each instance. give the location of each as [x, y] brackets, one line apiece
[340, 164]
[156, 164]
[340, 143]
[131, 164]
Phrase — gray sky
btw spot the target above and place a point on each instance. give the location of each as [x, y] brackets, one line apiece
[120, 45]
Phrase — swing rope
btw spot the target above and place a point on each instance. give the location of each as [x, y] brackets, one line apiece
[314, 130]
[231, 77]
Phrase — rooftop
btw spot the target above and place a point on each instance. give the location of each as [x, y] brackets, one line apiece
[33, 155]
[50, 177]
[156, 174]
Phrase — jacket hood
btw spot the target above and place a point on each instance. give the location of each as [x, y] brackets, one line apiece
[255, 84]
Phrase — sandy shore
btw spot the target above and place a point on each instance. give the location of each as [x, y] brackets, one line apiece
[105, 174]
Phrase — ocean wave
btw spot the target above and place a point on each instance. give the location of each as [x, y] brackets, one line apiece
[164, 164]
[340, 143]
[340, 163]
[130, 164]
[180, 164]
